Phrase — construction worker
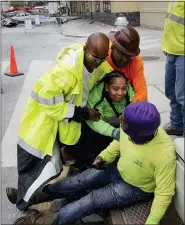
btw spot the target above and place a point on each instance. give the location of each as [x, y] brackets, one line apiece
[57, 103]
[173, 47]
[124, 57]
[145, 170]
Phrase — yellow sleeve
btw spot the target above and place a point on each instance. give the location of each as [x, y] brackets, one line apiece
[50, 92]
[111, 152]
[164, 191]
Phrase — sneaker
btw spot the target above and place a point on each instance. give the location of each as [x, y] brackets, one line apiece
[38, 198]
[170, 131]
[11, 194]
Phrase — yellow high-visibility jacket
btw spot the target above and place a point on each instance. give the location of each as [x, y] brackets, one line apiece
[52, 103]
[173, 34]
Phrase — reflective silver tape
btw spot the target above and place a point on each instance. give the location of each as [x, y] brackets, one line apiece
[46, 174]
[71, 109]
[49, 101]
[51, 169]
[65, 120]
[175, 18]
[30, 149]
[70, 112]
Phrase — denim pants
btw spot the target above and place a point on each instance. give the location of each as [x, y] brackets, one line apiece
[95, 190]
[174, 89]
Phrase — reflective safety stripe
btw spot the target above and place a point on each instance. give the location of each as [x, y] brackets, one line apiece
[45, 101]
[71, 109]
[51, 169]
[30, 149]
[175, 18]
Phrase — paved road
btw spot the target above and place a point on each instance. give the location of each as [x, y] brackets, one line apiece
[36, 52]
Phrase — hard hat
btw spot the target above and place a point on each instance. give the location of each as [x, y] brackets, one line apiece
[127, 39]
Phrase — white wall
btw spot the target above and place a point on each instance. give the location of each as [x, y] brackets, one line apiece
[5, 5]
[152, 14]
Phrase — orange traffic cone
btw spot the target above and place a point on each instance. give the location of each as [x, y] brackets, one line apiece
[13, 65]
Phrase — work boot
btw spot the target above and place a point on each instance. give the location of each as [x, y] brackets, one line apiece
[37, 218]
[11, 194]
[170, 131]
[38, 198]
[41, 197]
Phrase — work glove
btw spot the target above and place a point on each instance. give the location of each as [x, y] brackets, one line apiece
[99, 163]
[83, 113]
[116, 133]
[94, 115]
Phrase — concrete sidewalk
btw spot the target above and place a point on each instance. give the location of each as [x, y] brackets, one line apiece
[83, 28]
[80, 29]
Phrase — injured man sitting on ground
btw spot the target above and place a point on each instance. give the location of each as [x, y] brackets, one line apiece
[139, 167]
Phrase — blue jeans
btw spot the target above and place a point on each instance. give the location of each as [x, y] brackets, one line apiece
[95, 190]
[174, 89]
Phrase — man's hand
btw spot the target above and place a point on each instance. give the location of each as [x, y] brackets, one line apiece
[98, 163]
[94, 114]
[83, 113]
[165, 53]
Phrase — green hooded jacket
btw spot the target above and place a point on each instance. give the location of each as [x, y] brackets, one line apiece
[105, 109]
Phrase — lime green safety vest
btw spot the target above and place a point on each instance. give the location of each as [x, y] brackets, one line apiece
[173, 34]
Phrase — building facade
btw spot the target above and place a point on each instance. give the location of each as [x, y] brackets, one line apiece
[5, 5]
[148, 13]
[137, 13]
[107, 11]
[152, 14]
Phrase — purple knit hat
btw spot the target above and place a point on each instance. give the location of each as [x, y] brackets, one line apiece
[141, 119]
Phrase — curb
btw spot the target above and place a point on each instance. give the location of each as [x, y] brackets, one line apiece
[73, 36]
[70, 35]
[82, 36]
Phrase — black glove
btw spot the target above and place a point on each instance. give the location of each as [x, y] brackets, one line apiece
[80, 114]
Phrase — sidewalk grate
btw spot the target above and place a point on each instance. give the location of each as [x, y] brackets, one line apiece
[137, 214]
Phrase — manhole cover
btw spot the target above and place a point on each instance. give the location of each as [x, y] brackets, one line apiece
[150, 58]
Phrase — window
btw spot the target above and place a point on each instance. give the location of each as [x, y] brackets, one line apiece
[107, 6]
[87, 6]
[97, 6]
[73, 7]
